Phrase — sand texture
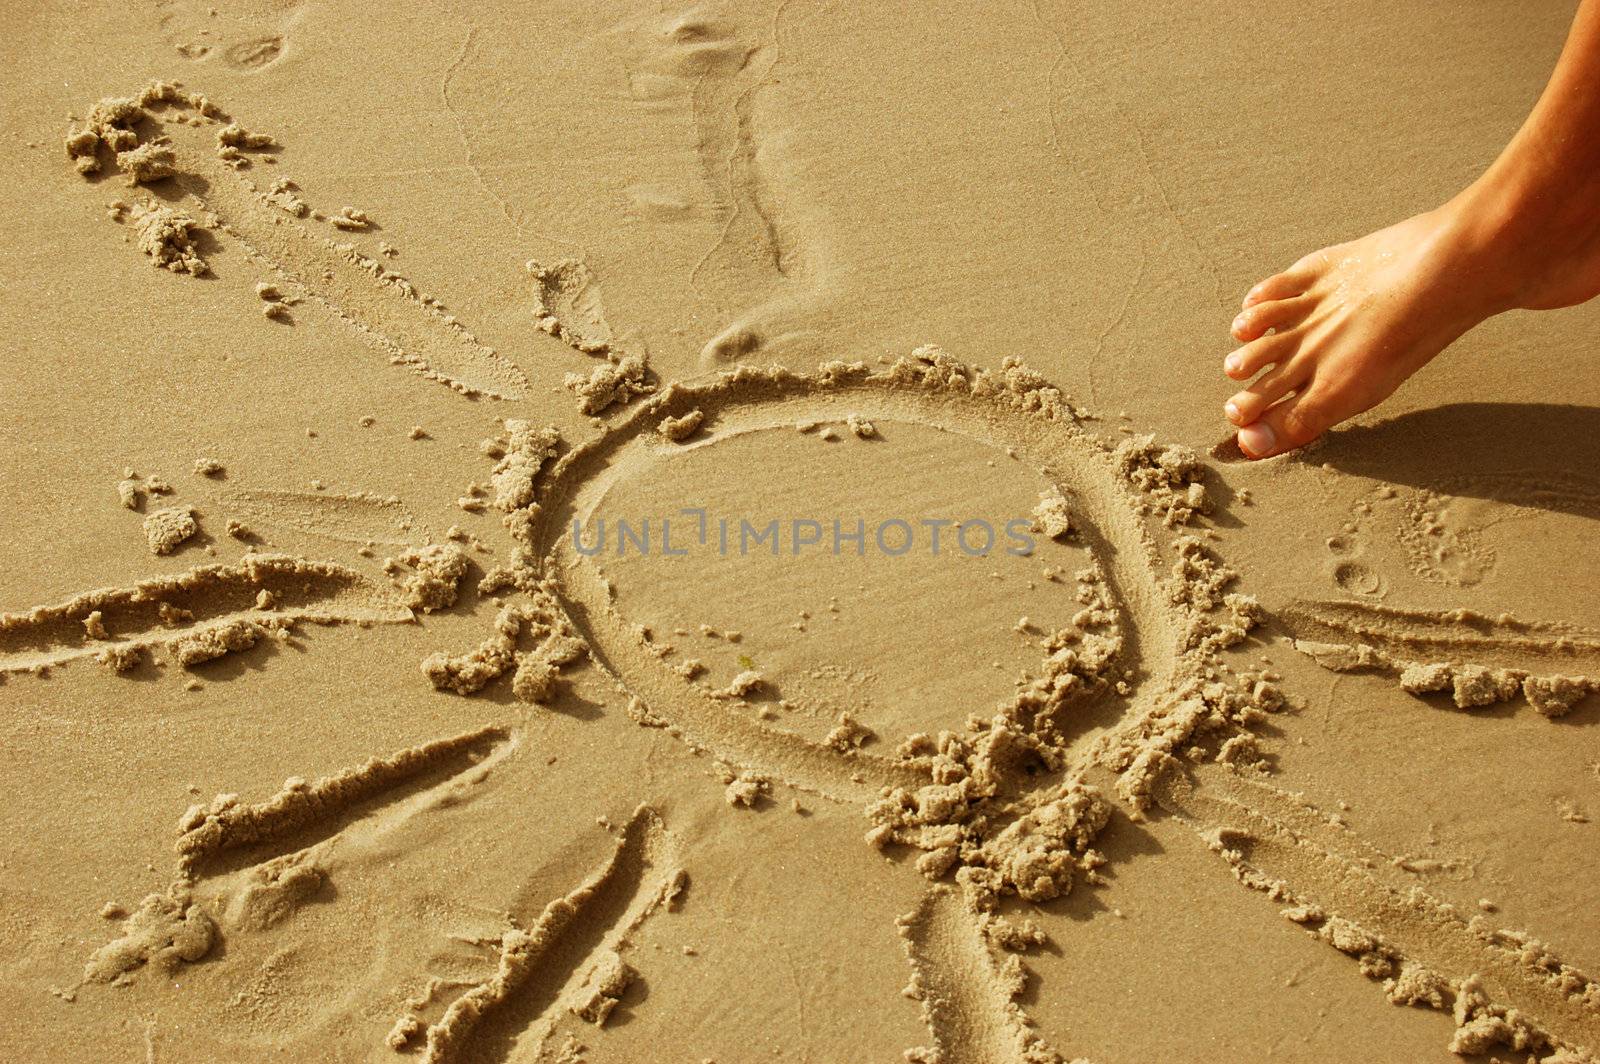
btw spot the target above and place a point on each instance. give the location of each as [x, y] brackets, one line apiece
[471, 480]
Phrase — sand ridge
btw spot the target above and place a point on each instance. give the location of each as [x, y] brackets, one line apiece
[267, 592]
[1480, 660]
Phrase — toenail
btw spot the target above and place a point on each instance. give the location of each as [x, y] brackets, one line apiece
[1257, 440]
[1231, 363]
[1231, 408]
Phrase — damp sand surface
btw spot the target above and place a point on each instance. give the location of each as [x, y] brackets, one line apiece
[327, 737]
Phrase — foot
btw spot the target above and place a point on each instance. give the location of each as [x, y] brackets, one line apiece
[1342, 328]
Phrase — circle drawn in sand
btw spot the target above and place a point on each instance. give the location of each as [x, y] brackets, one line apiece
[751, 402]
[1010, 795]
[898, 630]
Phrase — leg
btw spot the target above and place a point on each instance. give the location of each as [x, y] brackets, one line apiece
[1342, 328]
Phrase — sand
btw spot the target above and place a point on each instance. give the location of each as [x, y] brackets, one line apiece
[471, 486]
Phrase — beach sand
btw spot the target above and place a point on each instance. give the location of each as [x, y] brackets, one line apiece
[324, 739]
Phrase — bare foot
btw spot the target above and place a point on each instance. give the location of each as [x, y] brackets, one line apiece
[1342, 328]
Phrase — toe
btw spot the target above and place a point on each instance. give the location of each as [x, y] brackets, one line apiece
[1245, 362]
[1285, 285]
[1292, 423]
[1256, 319]
[1251, 403]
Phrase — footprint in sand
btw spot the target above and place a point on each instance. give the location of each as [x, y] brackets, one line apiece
[694, 62]
[1447, 530]
[244, 36]
[1440, 540]
[1445, 534]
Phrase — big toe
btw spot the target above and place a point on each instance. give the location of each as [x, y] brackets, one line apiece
[1292, 423]
[1258, 440]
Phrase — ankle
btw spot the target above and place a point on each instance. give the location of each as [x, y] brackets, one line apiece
[1482, 244]
[1528, 234]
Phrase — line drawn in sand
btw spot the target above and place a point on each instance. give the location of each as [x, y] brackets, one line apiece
[566, 960]
[1479, 660]
[195, 616]
[247, 868]
[168, 134]
[1504, 988]
[151, 139]
[967, 992]
[356, 517]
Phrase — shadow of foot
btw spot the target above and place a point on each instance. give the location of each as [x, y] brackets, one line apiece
[1542, 455]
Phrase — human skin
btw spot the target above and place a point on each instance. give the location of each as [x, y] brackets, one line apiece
[1337, 332]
